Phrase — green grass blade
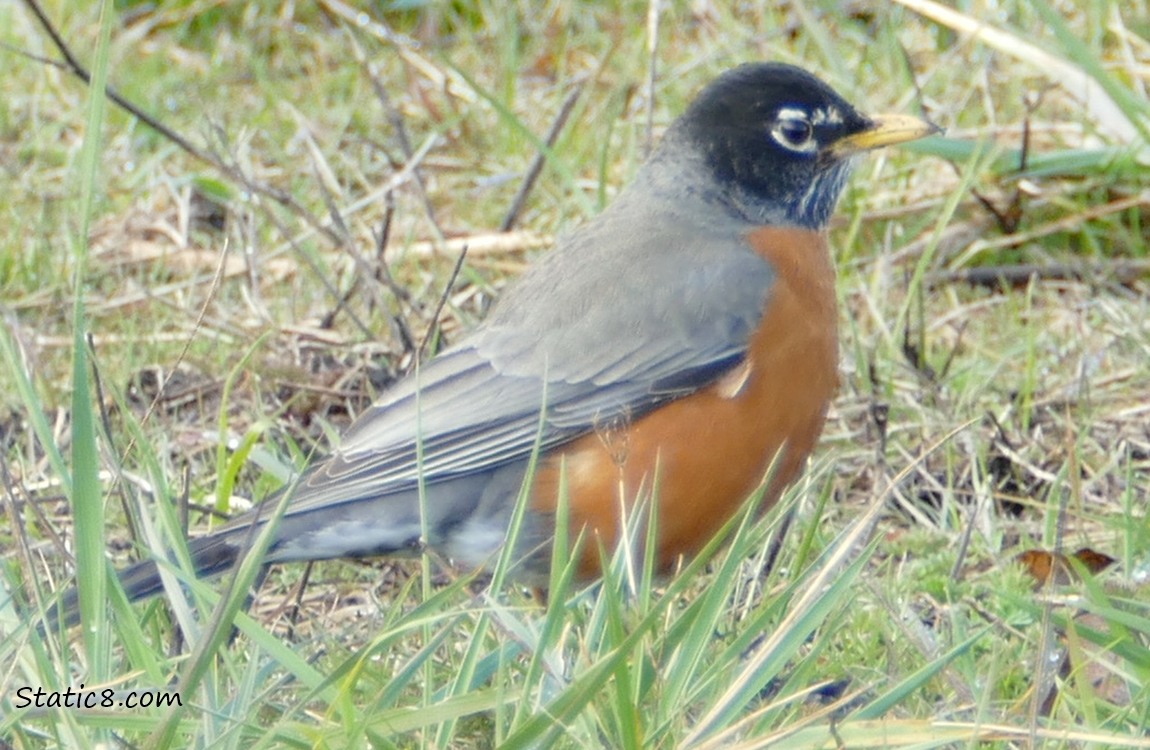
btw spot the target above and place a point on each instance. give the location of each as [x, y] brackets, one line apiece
[87, 496]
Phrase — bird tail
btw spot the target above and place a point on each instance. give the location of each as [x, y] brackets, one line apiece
[211, 555]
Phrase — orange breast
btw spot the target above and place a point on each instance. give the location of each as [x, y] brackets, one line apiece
[699, 457]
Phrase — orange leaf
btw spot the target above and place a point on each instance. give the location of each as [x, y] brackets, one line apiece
[1042, 564]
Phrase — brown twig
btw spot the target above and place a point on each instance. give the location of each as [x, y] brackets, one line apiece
[540, 159]
[329, 287]
[1010, 218]
[348, 246]
[915, 353]
[383, 275]
[434, 324]
[20, 530]
[395, 118]
[233, 172]
[33, 57]
[120, 485]
[1124, 271]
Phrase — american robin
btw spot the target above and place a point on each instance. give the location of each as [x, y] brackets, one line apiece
[679, 348]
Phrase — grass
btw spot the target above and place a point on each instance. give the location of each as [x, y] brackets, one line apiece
[975, 420]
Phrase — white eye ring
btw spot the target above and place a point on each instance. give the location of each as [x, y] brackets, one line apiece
[793, 131]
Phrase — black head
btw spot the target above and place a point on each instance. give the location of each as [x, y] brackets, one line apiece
[778, 140]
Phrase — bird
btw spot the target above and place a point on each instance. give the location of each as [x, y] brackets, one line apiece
[679, 349]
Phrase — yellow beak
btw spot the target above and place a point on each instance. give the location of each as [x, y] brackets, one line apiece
[885, 130]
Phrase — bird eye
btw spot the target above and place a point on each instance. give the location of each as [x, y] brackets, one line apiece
[794, 131]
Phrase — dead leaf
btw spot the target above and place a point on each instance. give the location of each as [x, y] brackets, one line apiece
[1042, 564]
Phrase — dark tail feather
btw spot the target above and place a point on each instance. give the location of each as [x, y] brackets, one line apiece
[211, 555]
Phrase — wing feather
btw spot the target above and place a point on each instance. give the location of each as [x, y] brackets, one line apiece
[583, 336]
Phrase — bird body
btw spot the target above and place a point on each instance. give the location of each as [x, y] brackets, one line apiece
[700, 455]
[680, 348]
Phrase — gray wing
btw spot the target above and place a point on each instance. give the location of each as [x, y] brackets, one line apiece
[589, 333]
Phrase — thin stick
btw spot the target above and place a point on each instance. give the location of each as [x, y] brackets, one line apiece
[78, 70]
[442, 302]
[1124, 271]
[395, 118]
[540, 159]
